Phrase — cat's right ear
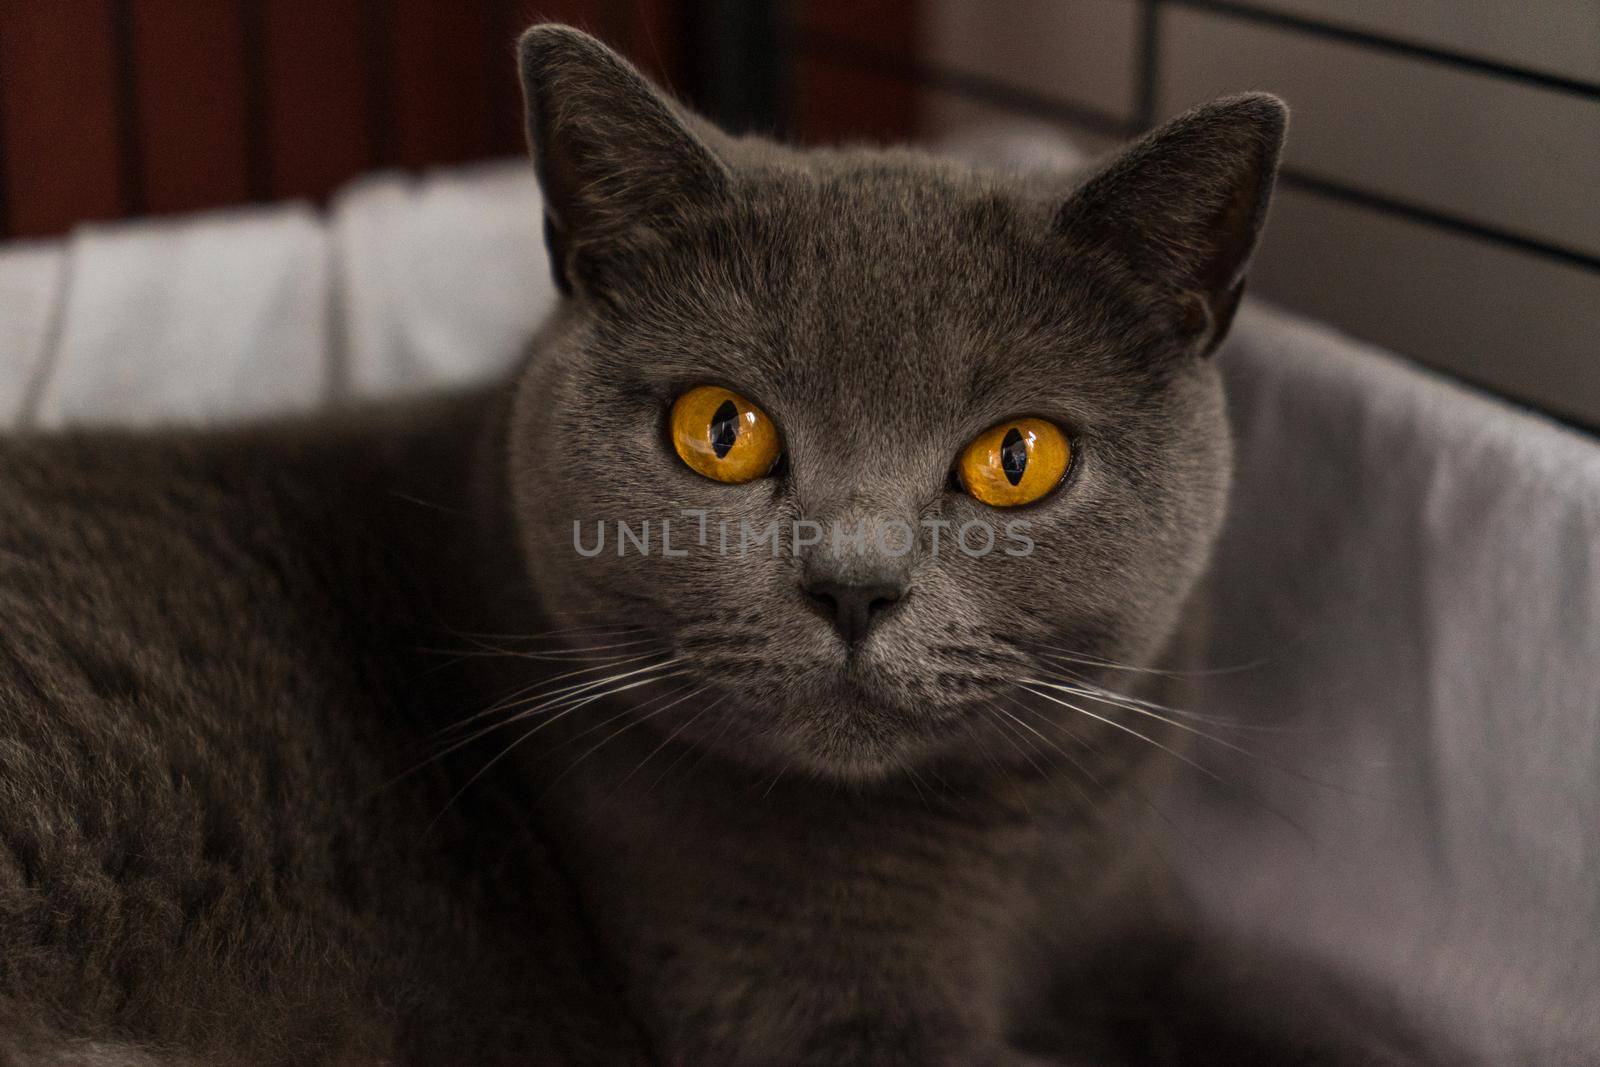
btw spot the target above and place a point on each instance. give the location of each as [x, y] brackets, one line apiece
[612, 154]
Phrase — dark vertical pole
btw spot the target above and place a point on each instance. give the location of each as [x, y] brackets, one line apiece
[739, 52]
[257, 143]
[504, 21]
[5, 204]
[1149, 62]
[130, 148]
[377, 21]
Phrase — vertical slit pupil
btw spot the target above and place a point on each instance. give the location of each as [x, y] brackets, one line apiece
[724, 428]
[1014, 456]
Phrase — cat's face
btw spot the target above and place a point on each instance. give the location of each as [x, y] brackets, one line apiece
[865, 317]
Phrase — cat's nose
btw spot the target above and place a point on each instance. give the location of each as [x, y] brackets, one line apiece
[854, 607]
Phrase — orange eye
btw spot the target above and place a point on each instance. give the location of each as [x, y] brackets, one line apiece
[1014, 463]
[723, 436]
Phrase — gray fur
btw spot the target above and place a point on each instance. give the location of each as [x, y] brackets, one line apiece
[222, 651]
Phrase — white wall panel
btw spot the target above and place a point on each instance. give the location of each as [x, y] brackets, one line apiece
[1558, 37]
[1512, 321]
[1082, 51]
[1498, 152]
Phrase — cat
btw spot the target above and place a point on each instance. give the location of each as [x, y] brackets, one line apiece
[336, 739]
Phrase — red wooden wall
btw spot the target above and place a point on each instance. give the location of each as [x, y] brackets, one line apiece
[116, 108]
[112, 108]
[841, 87]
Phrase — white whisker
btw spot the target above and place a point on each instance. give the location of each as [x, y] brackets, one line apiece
[1117, 725]
[579, 696]
[1111, 665]
[628, 726]
[1140, 707]
[1169, 750]
[551, 720]
[685, 725]
[513, 698]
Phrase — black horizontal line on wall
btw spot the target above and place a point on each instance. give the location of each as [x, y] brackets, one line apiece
[1310, 183]
[833, 48]
[1379, 42]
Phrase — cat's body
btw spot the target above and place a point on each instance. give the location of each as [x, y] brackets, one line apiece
[212, 852]
[719, 806]
[919, 923]
[201, 847]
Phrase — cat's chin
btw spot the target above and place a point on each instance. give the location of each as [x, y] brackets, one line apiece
[861, 762]
[852, 732]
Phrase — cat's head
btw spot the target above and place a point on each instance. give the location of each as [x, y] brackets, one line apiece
[1002, 382]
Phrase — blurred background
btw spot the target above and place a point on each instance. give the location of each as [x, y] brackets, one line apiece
[1441, 195]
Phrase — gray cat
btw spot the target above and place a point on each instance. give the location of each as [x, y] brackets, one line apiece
[337, 741]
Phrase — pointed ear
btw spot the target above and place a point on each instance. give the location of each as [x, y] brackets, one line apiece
[612, 154]
[1182, 207]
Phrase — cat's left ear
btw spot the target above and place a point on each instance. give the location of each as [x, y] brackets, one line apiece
[1183, 207]
[612, 154]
